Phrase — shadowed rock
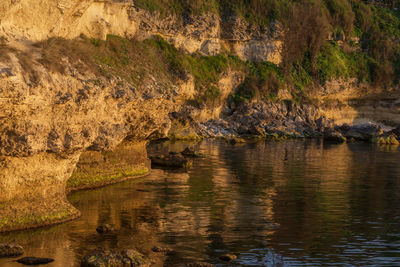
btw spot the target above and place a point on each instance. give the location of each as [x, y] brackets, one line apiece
[364, 132]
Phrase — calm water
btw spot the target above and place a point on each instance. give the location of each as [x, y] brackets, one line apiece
[273, 204]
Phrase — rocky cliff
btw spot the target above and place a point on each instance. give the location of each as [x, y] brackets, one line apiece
[55, 104]
[98, 18]
[48, 119]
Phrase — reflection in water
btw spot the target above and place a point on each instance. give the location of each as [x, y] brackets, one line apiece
[285, 204]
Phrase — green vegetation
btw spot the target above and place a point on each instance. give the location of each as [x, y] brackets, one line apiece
[323, 40]
[205, 70]
[96, 177]
[9, 223]
[332, 62]
[256, 11]
[263, 81]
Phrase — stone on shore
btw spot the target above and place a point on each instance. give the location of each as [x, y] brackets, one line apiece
[364, 132]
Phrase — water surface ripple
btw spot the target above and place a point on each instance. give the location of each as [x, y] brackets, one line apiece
[290, 203]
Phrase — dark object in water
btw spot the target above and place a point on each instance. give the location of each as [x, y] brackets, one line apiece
[227, 257]
[143, 190]
[171, 161]
[34, 261]
[190, 152]
[105, 228]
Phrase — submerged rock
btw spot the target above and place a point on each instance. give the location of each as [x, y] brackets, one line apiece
[228, 257]
[108, 258]
[162, 249]
[105, 228]
[171, 161]
[190, 152]
[34, 261]
[102, 258]
[11, 250]
[135, 258]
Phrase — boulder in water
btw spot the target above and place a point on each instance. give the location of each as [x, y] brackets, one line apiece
[109, 258]
[190, 152]
[105, 228]
[10, 250]
[171, 161]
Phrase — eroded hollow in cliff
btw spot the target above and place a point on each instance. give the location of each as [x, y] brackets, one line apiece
[33, 190]
[96, 169]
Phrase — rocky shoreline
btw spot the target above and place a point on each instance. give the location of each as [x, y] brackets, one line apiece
[268, 120]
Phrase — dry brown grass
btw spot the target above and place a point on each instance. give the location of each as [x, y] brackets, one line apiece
[78, 52]
[131, 60]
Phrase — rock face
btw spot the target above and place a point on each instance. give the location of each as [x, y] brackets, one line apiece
[32, 190]
[95, 18]
[65, 18]
[47, 119]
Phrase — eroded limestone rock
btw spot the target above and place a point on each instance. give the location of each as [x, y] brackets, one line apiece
[32, 190]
